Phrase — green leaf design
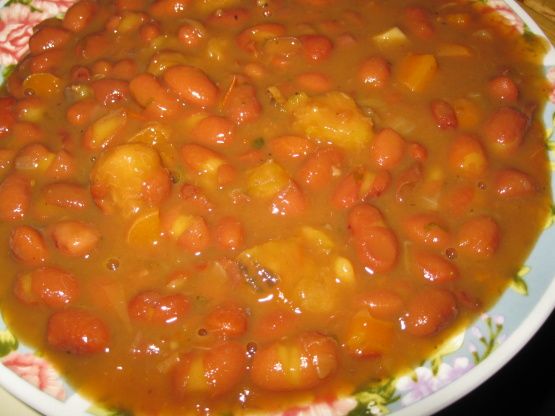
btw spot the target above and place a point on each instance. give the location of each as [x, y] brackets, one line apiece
[8, 342]
[97, 410]
[518, 284]
[550, 218]
[489, 341]
[7, 71]
[373, 400]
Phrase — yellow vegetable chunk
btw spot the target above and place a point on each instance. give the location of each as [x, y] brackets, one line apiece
[266, 180]
[43, 84]
[367, 336]
[390, 37]
[145, 230]
[416, 71]
[333, 117]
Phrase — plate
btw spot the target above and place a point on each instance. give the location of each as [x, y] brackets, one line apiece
[462, 364]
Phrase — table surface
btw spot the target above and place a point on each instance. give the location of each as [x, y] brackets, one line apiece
[519, 379]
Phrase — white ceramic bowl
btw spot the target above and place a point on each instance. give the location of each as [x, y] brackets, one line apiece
[464, 362]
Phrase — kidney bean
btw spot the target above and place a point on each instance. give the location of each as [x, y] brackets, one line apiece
[503, 88]
[77, 331]
[131, 5]
[191, 34]
[229, 233]
[467, 156]
[50, 286]
[47, 61]
[512, 183]
[62, 167]
[429, 311]
[227, 321]
[154, 308]
[25, 132]
[15, 197]
[241, 104]
[7, 115]
[505, 129]
[418, 21]
[27, 245]
[434, 268]
[276, 324]
[250, 38]
[168, 9]
[290, 201]
[347, 192]
[298, 363]
[192, 85]
[48, 37]
[33, 158]
[316, 47]
[149, 31]
[383, 303]
[148, 92]
[479, 237]
[314, 82]
[65, 195]
[317, 170]
[214, 130]
[374, 72]
[110, 91]
[79, 15]
[210, 373]
[95, 46]
[290, 147]
[443, 114]
[388, 148]
[124, 69]
[75, 238]
[427, 228]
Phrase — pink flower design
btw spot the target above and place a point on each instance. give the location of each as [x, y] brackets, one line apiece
[423, 384]
[16, 27]
[339, 407]
[509, 14]
[551, 78]
[36, 371]
[53, 7]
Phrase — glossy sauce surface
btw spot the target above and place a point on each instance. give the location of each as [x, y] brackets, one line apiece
[214, 206]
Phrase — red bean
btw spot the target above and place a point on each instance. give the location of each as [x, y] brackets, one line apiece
[110, 91]
[75, 238]
[191, 34]
[229, 233]
[434, 268]
[383, 303]
[241, 104]
[192, 85]
[210, 373]
[429, 311]
[316, 47]
[512, 183]
[317, 170]
[427, 229]
[505, 129]
[227, 321]
[418, 22]
[7, 115]
[388, 148]
[168, 9]
[479, 237]
[154, 308]
[503, 88]
[79, 15]
[50, 286]
[47, 38]
[213, 130]
[300, 363]
[27, 245]
[374, 72]
[77, 331]
[65, 195]
[46, 61]
[467, 156]
[443, 114]
[15, 197]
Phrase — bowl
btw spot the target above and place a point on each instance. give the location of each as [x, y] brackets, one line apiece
[463, 363]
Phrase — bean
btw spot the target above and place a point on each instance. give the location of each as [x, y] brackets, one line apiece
[503, 88]
[316, 47]
[75, 238]
[154, 308]
[7, 115]
[314, 82]
[65, 195]
[443, 114]
[76, 331]
[148, 92]
[210, 373]
[362, 217]
[191, 34]
[434, 268]
[133, 5]
[367, 336]
[276, 324]
[250, 38]
[110, 91]
[383, 303]
[6, 159]
[290, 147]
[347, 192]
[317, 170]
[289, 201]
[512, 183]
[168, 9]
[505, 129]
[377, 250]
[79, 15]
[427, 229]
[25, 132]
[33, 158]
[47, 38]
[479, 237]
[429, 311]
[196, 198]
[27, 245]
[374, 72]
[418, 22]
[213, 130]
[229, 233]
[298, 363]
[458, 200]
[418, 152]
[190, 231]
[49, 286]
[388, 148]
[82, 112]
[149, 31]
[15, 197]
[241, 104]
[30, 109]
[95, 46]
[467, 156]
[192, 85]
[46, 61]
[200, 159]
[227, 321]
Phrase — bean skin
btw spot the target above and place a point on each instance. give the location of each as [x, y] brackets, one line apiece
[15, 197]
[65, 195]
[50, 286]
[427, 229]
[479, 237]
[77, 331]
[229, 233]
[74, 238]
[110, 91]
[7, 115]
[512, 183]
[48, 38]
[241, 104]
[429, 311]
[192, 85]
[467, 156]
[28, 246]
[383, 303]
[388, 148]
[299, 363]
[505, 129]
[153, 308]
[503, 88]
[316, 47]
[227, 321]
[434, 268]
[79, 15]
[214, 130]
[443, 114]
[374, 72]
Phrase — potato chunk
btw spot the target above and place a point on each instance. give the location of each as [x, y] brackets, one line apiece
[128, 178]
[333, 117]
